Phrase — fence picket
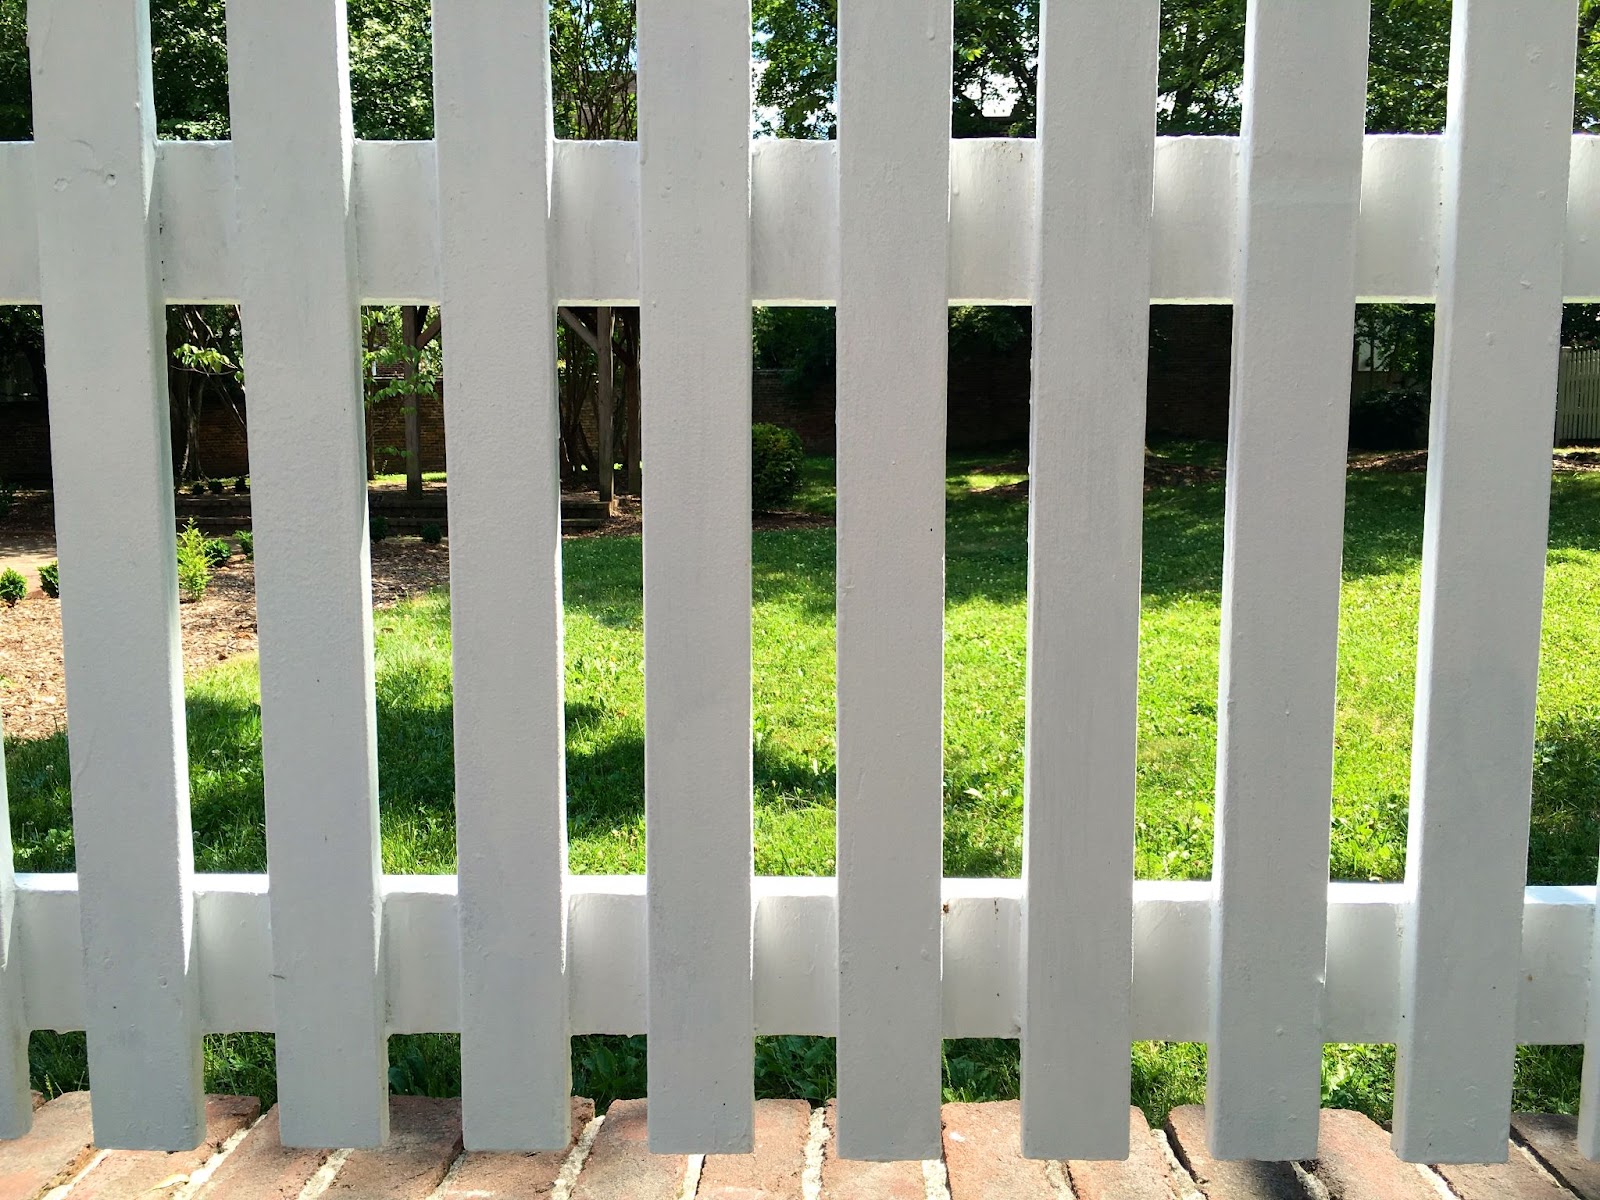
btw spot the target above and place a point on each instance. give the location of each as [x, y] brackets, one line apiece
[16, 1107]
[110, 443]
[894, 192]
[491, 67]
[1506, 162]
[1095, 163]
[292, 148]
[694, 278]
[1299, 196]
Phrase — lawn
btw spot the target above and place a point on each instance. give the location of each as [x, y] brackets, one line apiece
[984, 675]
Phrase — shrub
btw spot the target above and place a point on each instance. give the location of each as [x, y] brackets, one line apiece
[197, 488]
[8, 498]
[379, 527]
[247, 542]
[13, 587]
[776, 456]
[241, 485]
[194, 563]
[1390, 419]
[218, 552]
[50, 579]
[214, 486]
[432, 534]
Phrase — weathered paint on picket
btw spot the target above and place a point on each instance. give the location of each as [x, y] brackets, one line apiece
[894, 188]
[1483, 561]
[1095, 163]
[110, 445]
[493, 123]
[694, 340]
[289, 100]
[1288, 431]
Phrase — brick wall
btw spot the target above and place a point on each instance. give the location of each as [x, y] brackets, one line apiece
[386, 432]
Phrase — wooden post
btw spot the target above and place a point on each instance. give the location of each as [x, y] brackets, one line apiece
[604, 414]
[410, 322]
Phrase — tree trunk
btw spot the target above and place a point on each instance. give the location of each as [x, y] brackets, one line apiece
[410, 324]
[604, 417]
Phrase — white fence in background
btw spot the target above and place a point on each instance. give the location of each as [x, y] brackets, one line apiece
[1292, 222]
[1578, 397]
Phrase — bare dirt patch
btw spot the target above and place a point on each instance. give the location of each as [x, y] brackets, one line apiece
[219, 626]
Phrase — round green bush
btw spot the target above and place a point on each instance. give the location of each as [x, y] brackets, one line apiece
[50, 579]
[776, 457]
[432, 534]
[13, 587]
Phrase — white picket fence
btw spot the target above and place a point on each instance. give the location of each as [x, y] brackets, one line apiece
[1578, 396]
[1292, 222]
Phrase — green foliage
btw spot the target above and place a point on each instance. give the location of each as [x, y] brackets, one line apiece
[776, 457]
[194, 563]
[247, 543]
[218, 552]
[50, 579]
[592, 60]
[432, 534]
[13, 587]
[215, 486]
[197, 488]
[379, 527]
[989, 330]
[1390, 418]
[241, 485]
[391, 69]
[799, 342]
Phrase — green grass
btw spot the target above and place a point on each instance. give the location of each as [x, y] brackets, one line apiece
[794, 761]
[400, 477]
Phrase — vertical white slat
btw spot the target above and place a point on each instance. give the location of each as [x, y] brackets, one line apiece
[492, 115]
[292, 144]
[1091, 321]
[16, 1105]
[694, 280]
[110, 445]
[894, 195]
[1508, 144]
[1288, 435]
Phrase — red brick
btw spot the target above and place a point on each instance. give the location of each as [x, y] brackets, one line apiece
[983, 1154]
[484, 1176]
[1553, 1140]
[155, 1173]
[773, 1171]
[262, 1168]
[620, 1165]
[58, 1146]
[1144, 1173]
[1515, 1179]
[424, 1139]
[1355, 1161]
[1227, 1180]
[851, 1179]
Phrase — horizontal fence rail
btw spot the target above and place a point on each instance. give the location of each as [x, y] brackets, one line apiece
[796, 955]
[594, 221]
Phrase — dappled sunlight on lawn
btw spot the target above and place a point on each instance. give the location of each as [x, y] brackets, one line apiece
[985, 671]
